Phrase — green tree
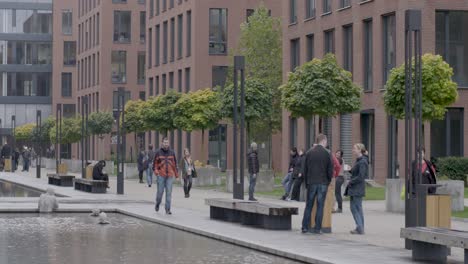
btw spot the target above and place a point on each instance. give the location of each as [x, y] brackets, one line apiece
[25, 132]
[159, 112]
[258, 102]
[100, 123]
[134, 119]
[320, 87]
[71, 130]
[438, 89]
[43, 138]
[200, 110]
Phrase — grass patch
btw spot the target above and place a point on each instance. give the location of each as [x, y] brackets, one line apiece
[466, 193]
[374, 194]
[462, 214]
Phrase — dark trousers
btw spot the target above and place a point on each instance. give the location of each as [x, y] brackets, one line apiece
[296, 188]
[140, 175]
[187, 184]
[313, 191]
[25, 164]
[339, 198]
[253, 182]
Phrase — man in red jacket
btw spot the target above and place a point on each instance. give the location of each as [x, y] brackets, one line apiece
[165, 169]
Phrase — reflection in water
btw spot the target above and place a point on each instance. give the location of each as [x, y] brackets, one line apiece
[8, 189]
[77, 238]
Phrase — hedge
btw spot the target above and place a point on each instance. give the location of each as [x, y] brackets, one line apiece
[455, 168]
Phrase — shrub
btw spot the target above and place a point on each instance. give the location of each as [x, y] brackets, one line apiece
[455, 168]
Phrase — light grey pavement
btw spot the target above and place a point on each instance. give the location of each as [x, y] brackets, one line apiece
[380, 244]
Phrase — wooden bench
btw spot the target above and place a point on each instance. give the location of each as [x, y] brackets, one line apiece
[263, 215]
[92, 186]
[61, 179]
[433, 244]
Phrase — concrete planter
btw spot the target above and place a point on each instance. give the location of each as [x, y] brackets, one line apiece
[74, 166]
[265, 181]
[393, 201]
[130, 171]
[207, 176]
[456, 191]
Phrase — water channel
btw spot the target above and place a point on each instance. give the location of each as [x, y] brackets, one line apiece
[8, 189]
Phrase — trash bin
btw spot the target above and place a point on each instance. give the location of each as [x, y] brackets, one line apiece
[327, 209]
[438, 211]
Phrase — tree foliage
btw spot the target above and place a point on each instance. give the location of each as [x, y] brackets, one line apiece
[24, 132]
[159, 114]
[71, 130]
[100, 123]
[43, 135]
[320, 87]
[438, 89]
[198, 110]
[134, 116]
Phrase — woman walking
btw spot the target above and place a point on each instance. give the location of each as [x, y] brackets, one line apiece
[188, 172]
[141, 161]
[356, 188]
[339, 182]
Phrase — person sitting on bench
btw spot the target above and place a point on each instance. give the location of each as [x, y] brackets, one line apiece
[98, 174]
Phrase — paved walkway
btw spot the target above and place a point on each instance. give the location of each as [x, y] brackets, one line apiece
[380, 244]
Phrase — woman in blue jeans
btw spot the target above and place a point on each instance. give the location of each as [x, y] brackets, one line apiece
[356, 188]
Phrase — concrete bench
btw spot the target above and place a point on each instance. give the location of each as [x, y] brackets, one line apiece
[92, 186]
[61, 179]
[263, 215]
[433, 244]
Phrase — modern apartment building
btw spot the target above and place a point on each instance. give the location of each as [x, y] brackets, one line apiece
[25, 62]
[188, 43]
[368, 40]
[99, 46]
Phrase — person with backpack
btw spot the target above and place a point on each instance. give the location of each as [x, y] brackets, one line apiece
[141, 161]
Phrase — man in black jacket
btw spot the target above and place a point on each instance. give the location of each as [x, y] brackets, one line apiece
[317, 173]
[254, 167]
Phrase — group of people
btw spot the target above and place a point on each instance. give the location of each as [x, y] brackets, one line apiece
[8, 152]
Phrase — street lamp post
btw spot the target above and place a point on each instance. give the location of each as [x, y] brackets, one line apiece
[120, 139]
[58, 136]
[38, 138]
[84, 134]
[238, 184]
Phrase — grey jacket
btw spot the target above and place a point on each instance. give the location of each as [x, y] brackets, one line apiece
[359, 173]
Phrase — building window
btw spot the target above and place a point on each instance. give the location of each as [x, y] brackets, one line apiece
[172, 40]
[66, 22]
[310, 132]
[310, 47]
[164, 5]
[327, 8]
[389, 43]
[452, 42]
[151, 7]
[329, 41]
[189, 33]
[122, 26]
[150, 48]
[249, 13]
[171, 3]
[447, 136]
[164, 83]
[292, 11]
[368, 55]
[348, 48]
[115, 99]
[157, 43]
[187, 80]
[295, 54]
[142, 96]
[141, 67]
[141, 2]
[66, 84]
[116, 1]
[69, 53]
[142, 27]
[292, 132]
[179, 81]
[218, 76]
[156, 86]
[119, 66]
[345, 3]
[218, 31]
[165, 42]
[180, 27]
[151, 86]
[310, 9]
[97, 28]
[158, 6]
[171, 80]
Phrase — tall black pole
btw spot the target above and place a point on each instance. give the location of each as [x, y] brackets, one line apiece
[38, 146]
[58, 136]
[86, 131]
[13, 125]
[84, 103]
[234, 134]
[242, 125]
[120, 139]
[238, 184]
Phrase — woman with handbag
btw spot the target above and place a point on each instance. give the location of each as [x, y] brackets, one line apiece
[356, 188]
[188, 172]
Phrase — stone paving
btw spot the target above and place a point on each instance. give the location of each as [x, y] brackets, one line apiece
[380, 244]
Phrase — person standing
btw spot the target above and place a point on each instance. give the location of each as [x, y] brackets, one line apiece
[286, 182]
[150, 169]
[428, 173]
[297, 179]
[26, 158]
[317, 173]
[188, 171]
[339, 182]
[356, 188]
[15, 159]
[254, 168]
[6, 153]
[165, 169]
[141, 161]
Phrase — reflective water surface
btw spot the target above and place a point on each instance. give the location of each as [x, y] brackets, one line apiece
[8, 189]
[77, 238]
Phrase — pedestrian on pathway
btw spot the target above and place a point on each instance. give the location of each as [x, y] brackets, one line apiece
[286, 182]
[297, 178]
[165, 169]
[6, 153]
[149, 170]
[356, 188]
[339, 182]
[141, 162]
[26, 159]
[317, 173]
[15, 159]
[188, 171]
[428, 173]
[254, 169]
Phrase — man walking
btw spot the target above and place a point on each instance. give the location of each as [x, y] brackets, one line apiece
[165, 169]
[317, 173]
[149, 171]
[26, 159]
[254, 168]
